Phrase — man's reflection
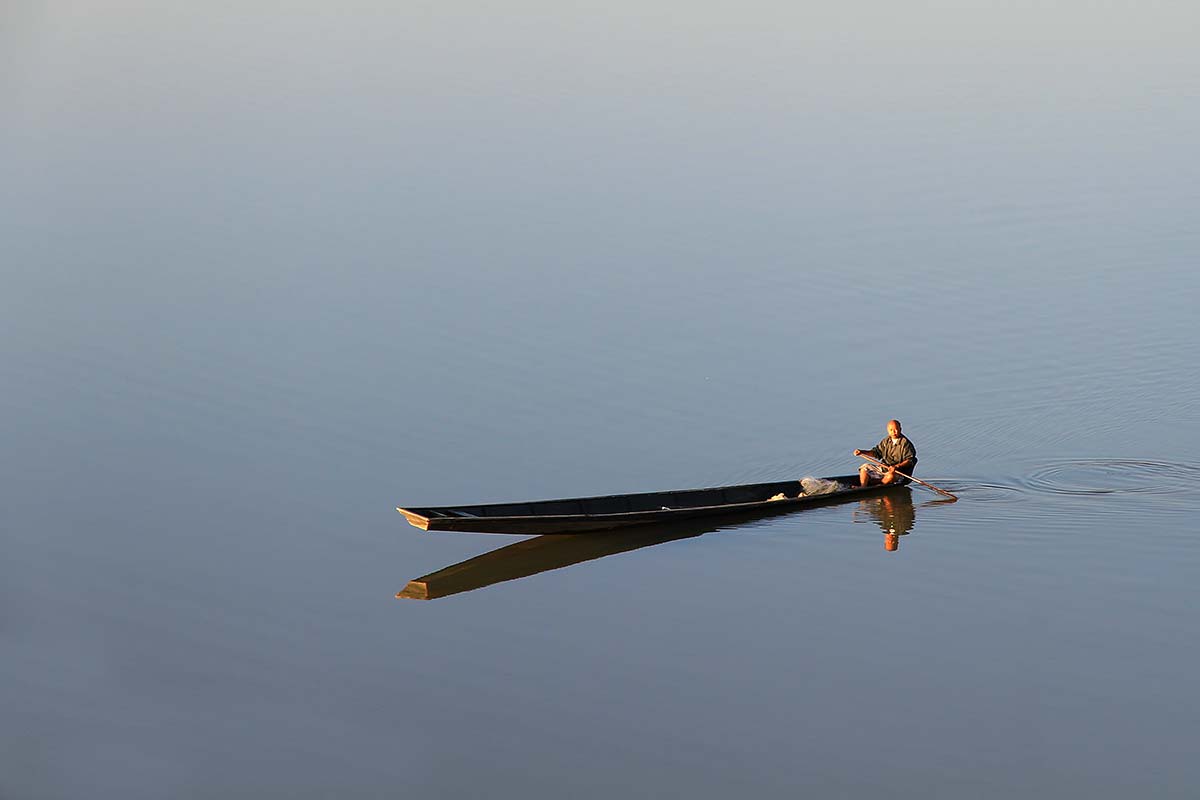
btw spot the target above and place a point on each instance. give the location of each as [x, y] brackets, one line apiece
[893, 512]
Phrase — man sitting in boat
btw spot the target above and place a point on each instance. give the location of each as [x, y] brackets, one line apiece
[897, 454]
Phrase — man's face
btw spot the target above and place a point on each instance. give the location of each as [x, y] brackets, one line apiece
[893, 430]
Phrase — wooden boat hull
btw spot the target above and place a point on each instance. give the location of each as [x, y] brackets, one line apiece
[613, 512]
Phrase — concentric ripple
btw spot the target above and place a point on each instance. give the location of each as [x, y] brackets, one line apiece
[1115, 476]
[987, 492]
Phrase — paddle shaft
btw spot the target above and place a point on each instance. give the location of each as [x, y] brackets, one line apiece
[910, 477]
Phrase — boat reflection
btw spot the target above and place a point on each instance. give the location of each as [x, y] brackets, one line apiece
[894, 513]
[544, 553]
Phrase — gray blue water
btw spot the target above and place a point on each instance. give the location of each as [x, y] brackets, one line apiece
[268, 274]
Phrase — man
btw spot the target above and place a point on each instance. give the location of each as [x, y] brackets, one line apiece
[897, 454]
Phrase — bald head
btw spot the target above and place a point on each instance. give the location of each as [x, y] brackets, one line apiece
[893, 428]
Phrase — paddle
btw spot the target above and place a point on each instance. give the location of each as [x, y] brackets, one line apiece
[910, 477]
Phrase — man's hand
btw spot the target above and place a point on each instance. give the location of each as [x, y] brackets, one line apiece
[858, 452]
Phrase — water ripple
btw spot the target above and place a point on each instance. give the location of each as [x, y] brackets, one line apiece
[1114, 476]
[986, 492]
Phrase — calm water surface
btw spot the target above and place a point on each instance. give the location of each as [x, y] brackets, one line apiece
[266, 278]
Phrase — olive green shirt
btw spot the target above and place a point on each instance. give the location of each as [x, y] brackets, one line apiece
[890, 453]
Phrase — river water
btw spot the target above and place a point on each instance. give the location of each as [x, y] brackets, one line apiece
[266, 278]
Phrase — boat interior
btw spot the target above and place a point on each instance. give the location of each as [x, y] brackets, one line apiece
[629, 503]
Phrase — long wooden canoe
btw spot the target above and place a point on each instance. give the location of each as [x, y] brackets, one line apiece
[609, 512]
[893, 511]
